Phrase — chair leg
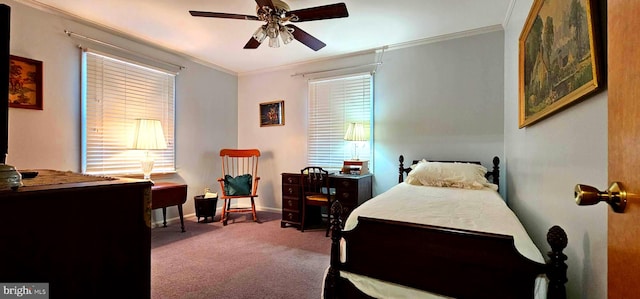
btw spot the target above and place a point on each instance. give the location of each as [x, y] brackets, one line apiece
[253, 210]
[304, 212]
[223, 217]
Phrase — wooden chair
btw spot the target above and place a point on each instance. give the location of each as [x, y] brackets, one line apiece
[315, 192]
[239, 180]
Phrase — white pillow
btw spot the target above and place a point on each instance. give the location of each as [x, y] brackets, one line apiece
[442, 174]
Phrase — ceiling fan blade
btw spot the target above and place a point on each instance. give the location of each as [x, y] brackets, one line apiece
[306, 38]
[263, 3]
[252, 44]
[222, 15]
[331, 11]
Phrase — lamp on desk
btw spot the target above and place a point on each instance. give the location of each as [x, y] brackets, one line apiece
[355, 133]
[147, 136]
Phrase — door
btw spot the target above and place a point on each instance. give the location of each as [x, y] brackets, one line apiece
[624, 145]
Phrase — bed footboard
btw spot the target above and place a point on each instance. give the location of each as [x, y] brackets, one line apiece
[440, 260]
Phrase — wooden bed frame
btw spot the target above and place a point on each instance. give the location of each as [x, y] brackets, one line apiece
[440, 260]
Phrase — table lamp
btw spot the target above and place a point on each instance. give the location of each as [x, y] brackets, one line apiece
[355, 132]
[148, 136]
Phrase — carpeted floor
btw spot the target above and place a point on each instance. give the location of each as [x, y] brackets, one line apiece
[241, 260]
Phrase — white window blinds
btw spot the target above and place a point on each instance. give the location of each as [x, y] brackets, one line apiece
[114, 94]
[333, 104]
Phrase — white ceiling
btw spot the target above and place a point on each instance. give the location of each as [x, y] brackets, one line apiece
[371, 24]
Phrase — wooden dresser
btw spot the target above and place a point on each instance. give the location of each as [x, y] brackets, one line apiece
[88, 237]
[350, 190]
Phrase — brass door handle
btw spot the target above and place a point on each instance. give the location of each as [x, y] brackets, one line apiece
[615, 196]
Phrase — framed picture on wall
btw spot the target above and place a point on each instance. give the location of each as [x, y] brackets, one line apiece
[559, 60]
[25, 83]
[272, 114]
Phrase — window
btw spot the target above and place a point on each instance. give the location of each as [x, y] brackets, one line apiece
[333, 104]
[115, 92]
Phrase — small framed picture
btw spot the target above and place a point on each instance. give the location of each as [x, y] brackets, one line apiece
[272, 114]
[25, 83]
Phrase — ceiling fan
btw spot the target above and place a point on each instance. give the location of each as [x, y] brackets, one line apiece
[276, 13]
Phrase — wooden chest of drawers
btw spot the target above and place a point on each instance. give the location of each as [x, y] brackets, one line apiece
[350, 190]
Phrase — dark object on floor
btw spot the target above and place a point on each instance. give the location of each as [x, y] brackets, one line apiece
[205, 207]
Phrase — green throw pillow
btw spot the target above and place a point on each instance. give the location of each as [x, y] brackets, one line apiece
[240, 185]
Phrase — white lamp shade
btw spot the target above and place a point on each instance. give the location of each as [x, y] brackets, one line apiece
[148, 135]
[355, 132]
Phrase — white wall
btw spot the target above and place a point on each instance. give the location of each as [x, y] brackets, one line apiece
[546, 160]
[206, 103]
[441, 100]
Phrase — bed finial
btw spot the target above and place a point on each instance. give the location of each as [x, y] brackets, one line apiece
[401, 169]
[557, 268]
[496, 171]
[331, 281]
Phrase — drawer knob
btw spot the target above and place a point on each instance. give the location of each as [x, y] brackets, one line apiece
[345, 195]
[290, 190]
[290, 180]
[290, 216]
[290, 203]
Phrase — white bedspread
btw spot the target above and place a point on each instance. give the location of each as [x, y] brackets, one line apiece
[478, 210]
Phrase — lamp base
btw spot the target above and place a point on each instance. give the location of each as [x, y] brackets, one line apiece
[147, 167]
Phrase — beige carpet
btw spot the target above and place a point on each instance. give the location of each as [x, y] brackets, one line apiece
[241, 260]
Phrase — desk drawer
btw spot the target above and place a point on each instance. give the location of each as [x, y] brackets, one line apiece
[291, 216]
[292, 179]
[290, 190]
[290, 203]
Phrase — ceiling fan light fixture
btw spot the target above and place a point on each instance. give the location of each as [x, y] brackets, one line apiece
[285, 34]
[274, 42]
[260, 34]
[272, 30]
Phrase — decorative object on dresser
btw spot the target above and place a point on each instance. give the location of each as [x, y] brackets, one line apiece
[425, 247]
[79, 259]
[147, 136]
[355, 167]
[239, 180]
[314, 182]
[352, 190]
[166, 194]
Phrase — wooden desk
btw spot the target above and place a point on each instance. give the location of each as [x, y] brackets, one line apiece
[165, 194]
[351, 191]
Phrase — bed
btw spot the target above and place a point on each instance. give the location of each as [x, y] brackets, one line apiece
[440, 242]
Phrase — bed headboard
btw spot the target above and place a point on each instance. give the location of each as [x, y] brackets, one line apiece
[493, 175]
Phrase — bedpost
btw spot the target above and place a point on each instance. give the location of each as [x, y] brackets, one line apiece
[401, 169]
[557, 268]
[331, 281]
[496, 170]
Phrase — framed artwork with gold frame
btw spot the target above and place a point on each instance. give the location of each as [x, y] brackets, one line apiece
[559, 61]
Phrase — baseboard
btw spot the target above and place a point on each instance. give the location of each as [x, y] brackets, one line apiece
[157, 218]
